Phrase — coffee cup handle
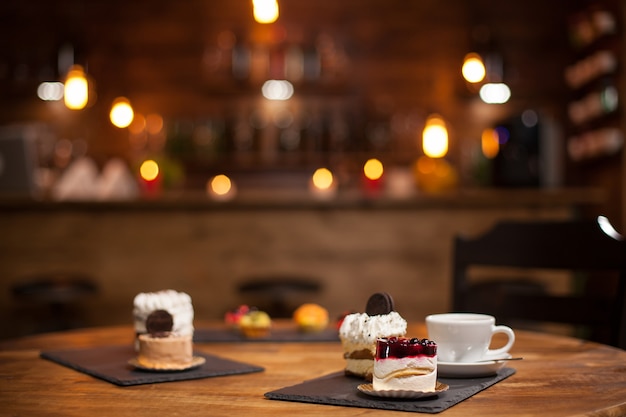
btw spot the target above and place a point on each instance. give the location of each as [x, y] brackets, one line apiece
[495, 353]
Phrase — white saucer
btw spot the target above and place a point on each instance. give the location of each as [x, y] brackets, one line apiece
[471, 369]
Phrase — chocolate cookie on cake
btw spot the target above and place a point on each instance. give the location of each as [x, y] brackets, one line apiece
[359, 333]
[178, 304]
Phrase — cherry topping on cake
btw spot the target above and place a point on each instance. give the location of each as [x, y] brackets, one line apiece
[401, 347]
[159, 323]
[378, 304]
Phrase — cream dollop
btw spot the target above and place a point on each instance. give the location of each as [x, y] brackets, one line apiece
[362, 330]
[178, 304]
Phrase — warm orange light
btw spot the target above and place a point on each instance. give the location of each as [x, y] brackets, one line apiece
[489, 143]
[121, 113]
[221, 184]
[473, 69]
[435, 137]
[154, 123]
[149, 170]
[265, 11]
[138, 125]
[322, 179]
[76, 90]
[373, 169]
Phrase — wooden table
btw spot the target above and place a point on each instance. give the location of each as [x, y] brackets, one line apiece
[559, 376]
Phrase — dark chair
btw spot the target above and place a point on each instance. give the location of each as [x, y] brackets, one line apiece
[52, 301]
[278, 295]
[592, 250]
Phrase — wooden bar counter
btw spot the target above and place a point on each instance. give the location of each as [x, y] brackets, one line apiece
[559, 376]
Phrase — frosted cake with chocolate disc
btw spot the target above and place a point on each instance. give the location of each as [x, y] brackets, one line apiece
[405, 364]
[178, 304]
[360, 331]
[160, 348]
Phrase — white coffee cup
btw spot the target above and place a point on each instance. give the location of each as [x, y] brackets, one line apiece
[465, 337]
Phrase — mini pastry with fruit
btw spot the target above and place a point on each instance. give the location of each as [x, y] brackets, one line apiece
[233, 317]
[255, 324]
[311, 317]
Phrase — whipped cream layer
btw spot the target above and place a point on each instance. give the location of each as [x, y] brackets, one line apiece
[178, 304]
[359, 331]
[412, 373]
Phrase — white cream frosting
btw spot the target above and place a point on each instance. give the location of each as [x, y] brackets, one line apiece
[178, 304]
[360, 330]
[418, 373]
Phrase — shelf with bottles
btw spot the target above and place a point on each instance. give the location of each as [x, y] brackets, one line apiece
[595, 80]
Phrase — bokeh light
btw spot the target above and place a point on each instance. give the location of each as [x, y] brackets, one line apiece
[265, 11]
[121, 113]
[373, 169]
[473, 69]
[435, 137]
[322, 178]
[277, 90]
[220, 184]
[50, 91]
[154, 123]
[489, 143]
[495, 93]
[149, 170]
[76, 92]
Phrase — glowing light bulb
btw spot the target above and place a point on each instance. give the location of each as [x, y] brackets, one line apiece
[149, 170]
[265, 11]
[473, 69]
[121, 113]
[435, 137]
[76, 91]
[373, 169]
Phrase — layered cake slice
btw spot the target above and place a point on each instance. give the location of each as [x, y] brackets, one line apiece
[359, 331]
[405, 364]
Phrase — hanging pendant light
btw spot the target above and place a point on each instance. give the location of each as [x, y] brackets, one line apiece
[265, 11]
[473, 68]
[435, 137]
[76, 89]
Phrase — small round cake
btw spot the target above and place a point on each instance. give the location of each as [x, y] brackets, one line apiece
[311, 317]
[160, 348]
[405, 364]
[178, 304]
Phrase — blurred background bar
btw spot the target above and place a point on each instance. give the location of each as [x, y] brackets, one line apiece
[195, 144]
